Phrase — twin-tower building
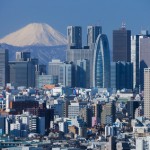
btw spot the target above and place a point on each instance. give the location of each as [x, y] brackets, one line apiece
[91, 62]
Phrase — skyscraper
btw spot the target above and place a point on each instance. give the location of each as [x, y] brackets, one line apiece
[124, 75]
[4, 70]
[82, 71]
[22, 73]
[53, 67]
[80, 54]
[66, 74]
[122, 45]
[101, 63]
[74, 37]
[138, 58]
[97, 53]
[23, 56]
[121, 75]
[144, 57]
[135, 60]
[147, 92]
[92, 34]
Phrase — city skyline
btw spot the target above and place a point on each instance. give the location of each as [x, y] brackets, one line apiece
[110, 15]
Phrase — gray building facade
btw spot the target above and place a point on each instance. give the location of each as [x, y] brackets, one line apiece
[4, 69]
[22, 73]
[144, 58]
[80, 54]
[53, 67]
[66, 74]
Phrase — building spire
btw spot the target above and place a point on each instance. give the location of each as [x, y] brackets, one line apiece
[123, 26]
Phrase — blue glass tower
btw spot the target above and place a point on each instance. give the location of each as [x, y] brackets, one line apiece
[101, 63]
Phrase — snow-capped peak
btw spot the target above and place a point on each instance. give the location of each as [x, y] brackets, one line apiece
[35, 34]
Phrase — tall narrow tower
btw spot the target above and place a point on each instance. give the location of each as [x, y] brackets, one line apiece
[122, 45]
[92, 34]
[147, 92]
[4, 75]
[74, 37]
[101, 63]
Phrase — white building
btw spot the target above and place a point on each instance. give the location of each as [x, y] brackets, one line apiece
[143, 143]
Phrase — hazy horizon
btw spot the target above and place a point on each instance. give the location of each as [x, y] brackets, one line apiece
[59, 14]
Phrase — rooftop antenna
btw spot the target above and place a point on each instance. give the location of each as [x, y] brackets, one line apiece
[123, 25]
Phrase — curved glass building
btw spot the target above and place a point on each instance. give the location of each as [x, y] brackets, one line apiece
[101, 63]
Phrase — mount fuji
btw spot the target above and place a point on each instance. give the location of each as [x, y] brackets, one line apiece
[43, 41]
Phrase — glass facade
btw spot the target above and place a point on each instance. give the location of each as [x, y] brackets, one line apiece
[101, 63]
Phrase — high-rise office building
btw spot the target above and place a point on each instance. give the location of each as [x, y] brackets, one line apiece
[147, 92]
[144, 58]
[4, 69]
[121, 75]
[42, 69]
[113, 75]
[74, 36]
[80, 54]
[82, 73]
[66, 74]
[22, 73]
[23, 56]
[135, 60]
[101, 63]
[53, 67]
[92, 34]
[122, 45]
[124, 75]
[97, 53]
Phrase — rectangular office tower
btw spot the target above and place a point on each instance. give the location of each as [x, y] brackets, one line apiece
[23, 56]
[122, 45]
[22, 73]
[80, 54]
[135, 60]
[147, 92]
[74, 37]
[4, 70]
[82, 73]
[53, 67]
[66, 74]
[144, 57]
[121, 75]
[92, 34]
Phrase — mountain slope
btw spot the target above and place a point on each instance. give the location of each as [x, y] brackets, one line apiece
[35, 34]
[44, 53]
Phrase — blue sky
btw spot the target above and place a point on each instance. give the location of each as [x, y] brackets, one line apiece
[15, 14]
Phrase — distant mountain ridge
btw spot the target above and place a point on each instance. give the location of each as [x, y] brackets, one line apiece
[39, 34]
[44, 53]
[44, 43]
